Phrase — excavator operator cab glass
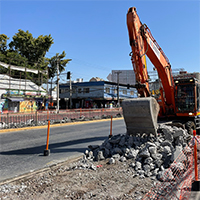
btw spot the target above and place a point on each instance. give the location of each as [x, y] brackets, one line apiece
[185, 98]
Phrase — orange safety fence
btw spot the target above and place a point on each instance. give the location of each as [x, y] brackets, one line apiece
[38, 116]
[178, 177]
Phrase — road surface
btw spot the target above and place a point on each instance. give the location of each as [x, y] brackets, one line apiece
[22, 151]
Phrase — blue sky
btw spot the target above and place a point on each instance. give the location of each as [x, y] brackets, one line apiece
[94, 33]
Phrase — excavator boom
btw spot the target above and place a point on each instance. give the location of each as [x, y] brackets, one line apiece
[143, 44]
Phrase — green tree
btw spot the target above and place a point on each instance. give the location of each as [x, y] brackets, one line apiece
[26, 51]
[34, 49]
[3, 47]
[9, 57]
[3, 43]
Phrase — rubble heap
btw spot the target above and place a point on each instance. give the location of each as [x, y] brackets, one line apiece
[129, 158]
[150, 155]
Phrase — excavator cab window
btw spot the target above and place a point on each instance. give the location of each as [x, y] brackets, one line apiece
[185, 99]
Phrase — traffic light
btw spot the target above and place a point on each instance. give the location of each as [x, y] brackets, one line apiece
[68, 75]
[128, 86]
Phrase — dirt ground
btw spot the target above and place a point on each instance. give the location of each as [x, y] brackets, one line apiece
[68, 181]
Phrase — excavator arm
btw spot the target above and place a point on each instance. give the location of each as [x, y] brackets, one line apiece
[138, 53]
[141, 114]
[142, 43]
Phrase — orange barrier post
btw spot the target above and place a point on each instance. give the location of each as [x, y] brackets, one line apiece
[80, 111]
[196, 183]
[110, 128]
[195, 156]
[47, 150]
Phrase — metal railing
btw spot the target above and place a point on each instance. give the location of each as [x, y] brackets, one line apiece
[35, 118]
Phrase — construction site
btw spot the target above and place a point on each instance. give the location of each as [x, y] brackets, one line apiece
[157, 158]
[122, 167]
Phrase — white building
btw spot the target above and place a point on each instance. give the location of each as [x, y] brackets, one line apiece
[125, 76]
[16, 94]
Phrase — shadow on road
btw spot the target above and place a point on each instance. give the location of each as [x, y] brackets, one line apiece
[56, 147]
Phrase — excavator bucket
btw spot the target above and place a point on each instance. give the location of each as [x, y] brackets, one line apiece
[140, 115]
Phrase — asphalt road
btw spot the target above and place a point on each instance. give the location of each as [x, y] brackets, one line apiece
[22, 151]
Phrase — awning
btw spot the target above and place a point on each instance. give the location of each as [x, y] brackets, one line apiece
[39, 99]
[16, 99]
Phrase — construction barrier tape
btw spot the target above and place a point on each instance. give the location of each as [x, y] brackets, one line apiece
[193, 140]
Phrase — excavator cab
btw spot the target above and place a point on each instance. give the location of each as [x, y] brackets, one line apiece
[187, 98]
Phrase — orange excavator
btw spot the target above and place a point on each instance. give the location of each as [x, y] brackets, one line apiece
[179, 98]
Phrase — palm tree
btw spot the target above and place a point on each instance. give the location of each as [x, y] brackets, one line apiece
[53, 62]
[57, 59]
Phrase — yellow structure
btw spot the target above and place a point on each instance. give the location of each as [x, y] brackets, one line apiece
[27, 106]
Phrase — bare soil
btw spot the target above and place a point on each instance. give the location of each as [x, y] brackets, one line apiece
[66, 181]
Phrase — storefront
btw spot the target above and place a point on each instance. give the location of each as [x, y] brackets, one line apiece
[14, 103]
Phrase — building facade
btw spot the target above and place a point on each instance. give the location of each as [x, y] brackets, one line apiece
[20, 95]
[125, 76]
[95, 94]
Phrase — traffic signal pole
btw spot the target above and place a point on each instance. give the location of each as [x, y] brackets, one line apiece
[70, 91]
[70, 88]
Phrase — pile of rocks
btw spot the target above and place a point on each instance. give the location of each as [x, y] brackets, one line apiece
[150, 155]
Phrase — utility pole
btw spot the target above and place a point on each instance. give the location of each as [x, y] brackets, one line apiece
[9, 78]
[47, 84]
[51, 92]
[57, 87]
[118, 87]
